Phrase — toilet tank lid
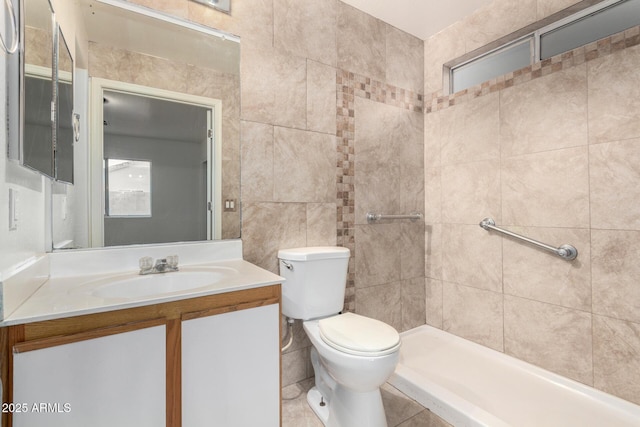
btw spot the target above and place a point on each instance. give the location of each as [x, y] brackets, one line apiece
[313, 253]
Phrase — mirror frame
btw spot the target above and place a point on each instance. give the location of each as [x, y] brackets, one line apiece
[97, 204]
[16, 149]
[65, 145]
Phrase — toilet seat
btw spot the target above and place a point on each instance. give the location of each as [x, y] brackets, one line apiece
[359, 335]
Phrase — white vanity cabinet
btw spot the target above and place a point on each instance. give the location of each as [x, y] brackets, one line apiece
[207, 361]
[113, 380]
[231, 368]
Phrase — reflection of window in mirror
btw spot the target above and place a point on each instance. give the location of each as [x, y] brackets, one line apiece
[127, 188]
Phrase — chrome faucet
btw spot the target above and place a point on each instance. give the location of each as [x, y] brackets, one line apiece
[162, 265]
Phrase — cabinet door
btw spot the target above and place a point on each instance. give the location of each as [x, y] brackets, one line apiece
[231, 369]
[115, 380]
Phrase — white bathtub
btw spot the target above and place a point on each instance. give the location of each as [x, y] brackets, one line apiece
[467, 384]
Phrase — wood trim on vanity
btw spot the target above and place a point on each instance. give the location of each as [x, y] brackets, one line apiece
[229, 309]
[51, 333]
[174, 373]
[39, 344]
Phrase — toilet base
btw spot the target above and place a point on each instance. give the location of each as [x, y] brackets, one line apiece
[348, 408]
[318, 404]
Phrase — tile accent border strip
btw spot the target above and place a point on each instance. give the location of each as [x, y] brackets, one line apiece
[598, 49]
[348, 87]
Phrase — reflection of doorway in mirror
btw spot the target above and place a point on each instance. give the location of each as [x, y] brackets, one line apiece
[176, 134]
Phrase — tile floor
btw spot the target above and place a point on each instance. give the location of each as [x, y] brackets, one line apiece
[401, 410]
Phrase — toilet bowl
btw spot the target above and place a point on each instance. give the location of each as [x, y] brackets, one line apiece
[349, 384]
[352, 355]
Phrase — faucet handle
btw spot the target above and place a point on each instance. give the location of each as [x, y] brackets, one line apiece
[145, 263]
[172, 261]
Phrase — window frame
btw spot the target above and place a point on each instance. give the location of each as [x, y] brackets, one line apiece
[107, 192]
[535, 46]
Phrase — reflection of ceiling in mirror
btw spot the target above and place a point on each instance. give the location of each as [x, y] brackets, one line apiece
[114, 26]
[145, 117]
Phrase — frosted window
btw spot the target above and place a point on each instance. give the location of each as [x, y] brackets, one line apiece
[128, 187]
[598, 25]
[498, 63]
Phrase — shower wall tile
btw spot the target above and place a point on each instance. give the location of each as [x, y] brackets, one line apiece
[433, 303]
[306, 28]
[389, 165]
[529, 110]
[403, 68]
[439, 49]
[565, 172]
[614, 108]
[497, 19]
[274, 87]
[471, 192]
[616, 273]
[257, 162]
[304, 166]
[536, 274]
[549, 189]
[614, 166]
[321, 98]
[412, 249]
[377, 167]
[268, 227]
[361, 42]
[471, 257]
[553, 337]
[432, 140]
[616, 367]
[412, 190]
[433, 194]
[474, 314]
[411, 153]
[413, 302]
[433, 247]
[549, 7]
[378, 254]
[321, 224]
[382, 302]
[471, 132]
[257, 92]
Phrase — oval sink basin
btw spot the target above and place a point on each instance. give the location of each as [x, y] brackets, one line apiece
[132, 286]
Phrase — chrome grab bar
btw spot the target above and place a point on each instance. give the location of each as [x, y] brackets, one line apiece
[567, 252]
[372, 217]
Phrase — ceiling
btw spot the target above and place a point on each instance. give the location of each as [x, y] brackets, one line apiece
[421, 18]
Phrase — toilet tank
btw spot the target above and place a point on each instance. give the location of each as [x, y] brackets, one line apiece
[316, 281]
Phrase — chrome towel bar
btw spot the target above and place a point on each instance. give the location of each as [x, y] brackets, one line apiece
[373, 217]
[567, 252]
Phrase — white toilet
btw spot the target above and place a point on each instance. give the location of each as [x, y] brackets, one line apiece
[352, 355]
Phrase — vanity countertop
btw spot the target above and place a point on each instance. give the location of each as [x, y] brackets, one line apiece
[68, 296]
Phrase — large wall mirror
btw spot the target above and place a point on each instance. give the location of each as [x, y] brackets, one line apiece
[161, 124]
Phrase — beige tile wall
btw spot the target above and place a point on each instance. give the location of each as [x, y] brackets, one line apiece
[315, 76]
[551, 152]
